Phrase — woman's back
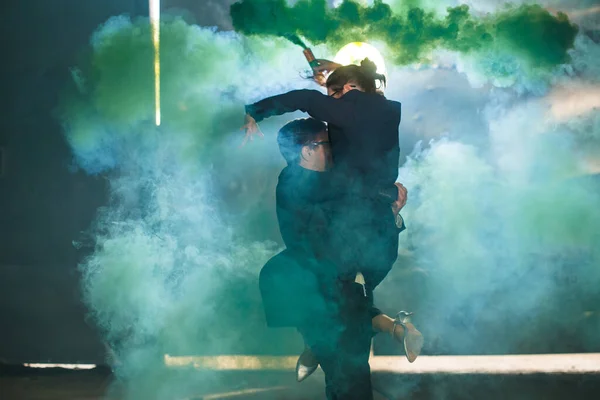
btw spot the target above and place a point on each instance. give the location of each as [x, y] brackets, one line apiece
[366, 147]
[363, 130]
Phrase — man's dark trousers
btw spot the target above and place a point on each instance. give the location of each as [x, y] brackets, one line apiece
[342, 344]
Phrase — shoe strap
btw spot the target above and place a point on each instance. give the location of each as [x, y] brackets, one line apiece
[402, 318]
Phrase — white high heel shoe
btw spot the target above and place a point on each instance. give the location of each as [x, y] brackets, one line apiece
[306, 365]
[412, 338]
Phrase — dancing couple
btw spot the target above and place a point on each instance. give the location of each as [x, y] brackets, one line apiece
[338, 208]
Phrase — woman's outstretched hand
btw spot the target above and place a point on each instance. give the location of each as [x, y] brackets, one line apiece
[251, 129]
[326, 66]
[320, 71]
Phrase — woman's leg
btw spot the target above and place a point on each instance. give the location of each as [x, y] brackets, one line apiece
[382, 234]
[410, 337]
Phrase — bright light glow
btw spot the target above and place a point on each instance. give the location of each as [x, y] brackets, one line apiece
[238, 393]
[66, 366]
[354, 53]
[577, 13]
[567, 103]
[502, 365]
[240, 363]
[155, 28]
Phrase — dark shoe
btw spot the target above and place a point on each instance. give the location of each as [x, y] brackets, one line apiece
[412, 338]
[307, 364]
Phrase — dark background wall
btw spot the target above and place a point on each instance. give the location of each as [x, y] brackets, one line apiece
[43, 203]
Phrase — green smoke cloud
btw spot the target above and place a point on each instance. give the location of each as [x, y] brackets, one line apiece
[206, 78]
[167, 274]
[528, 31]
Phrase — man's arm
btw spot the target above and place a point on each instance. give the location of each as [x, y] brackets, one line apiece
[293, 216]
[302, 221]
[315, 103]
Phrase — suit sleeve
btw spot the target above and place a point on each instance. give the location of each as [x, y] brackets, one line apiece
[302, 223]
[312, 102]
[292, 215]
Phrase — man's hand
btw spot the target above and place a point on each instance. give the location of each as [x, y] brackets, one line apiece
[401, 200]
[251, 129]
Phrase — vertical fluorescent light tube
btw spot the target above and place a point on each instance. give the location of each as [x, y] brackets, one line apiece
[155, 28]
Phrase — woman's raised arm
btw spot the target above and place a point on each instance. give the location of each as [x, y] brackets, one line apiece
[313, 102]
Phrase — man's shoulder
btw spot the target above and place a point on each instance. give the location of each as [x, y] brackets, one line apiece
[286, 176]
[283, 180]
[288, 184]
[298, 184]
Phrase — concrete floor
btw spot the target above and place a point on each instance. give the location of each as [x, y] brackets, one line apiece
[19, 383]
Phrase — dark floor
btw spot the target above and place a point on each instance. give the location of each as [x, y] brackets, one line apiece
[19, 383]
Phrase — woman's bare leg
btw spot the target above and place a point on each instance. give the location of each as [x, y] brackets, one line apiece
[380, 323]
[410, 337]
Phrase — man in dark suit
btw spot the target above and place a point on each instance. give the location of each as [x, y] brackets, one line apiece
[301, 286]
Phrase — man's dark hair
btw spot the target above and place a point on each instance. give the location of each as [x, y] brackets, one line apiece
[296, 134]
